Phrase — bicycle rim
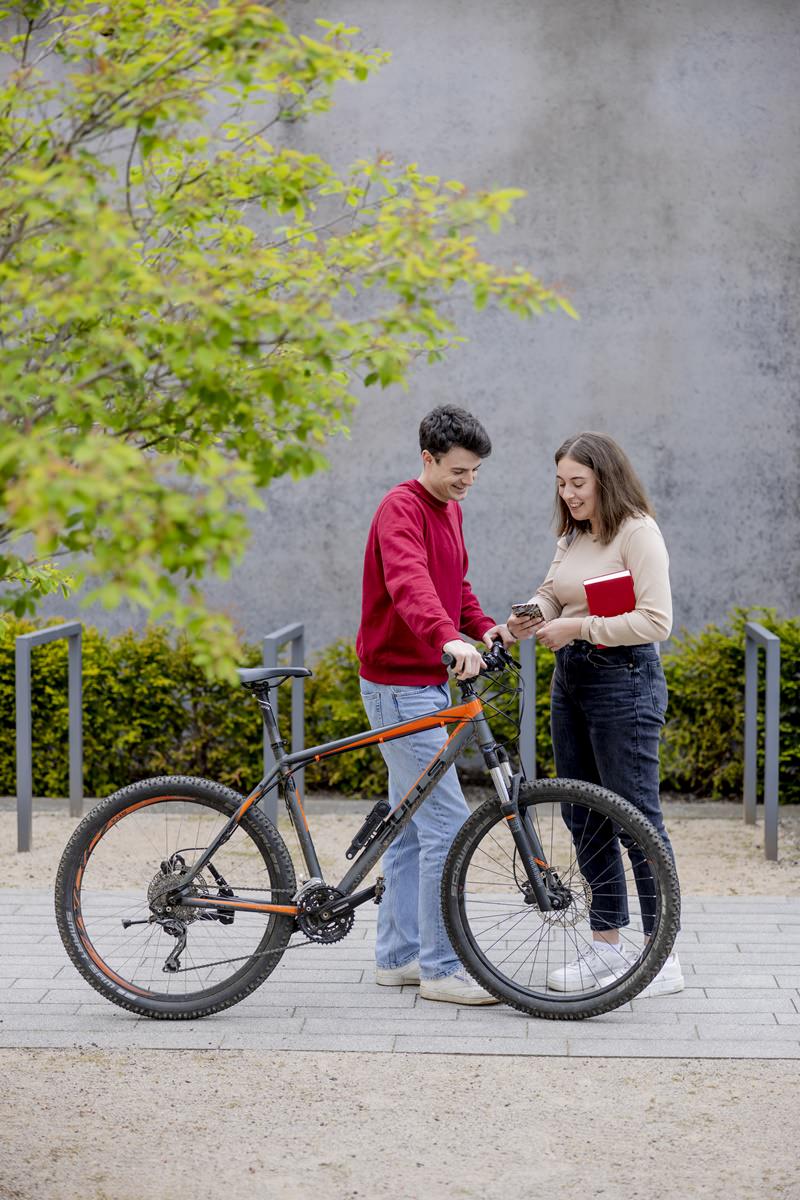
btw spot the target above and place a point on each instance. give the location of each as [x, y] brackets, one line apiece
[605, 860]
[126, 852]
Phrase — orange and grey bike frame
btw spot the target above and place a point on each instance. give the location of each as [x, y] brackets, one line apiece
[464, 721]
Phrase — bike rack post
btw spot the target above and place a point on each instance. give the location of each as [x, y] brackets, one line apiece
[22, 683]
[271, 646]
[527, 732]
[757, 636]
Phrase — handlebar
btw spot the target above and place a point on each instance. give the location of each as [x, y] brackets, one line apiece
[495, 659]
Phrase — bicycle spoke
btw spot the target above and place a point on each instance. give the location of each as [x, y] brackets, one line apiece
[127, 928]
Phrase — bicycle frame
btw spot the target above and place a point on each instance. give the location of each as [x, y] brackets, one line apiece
[467, 719]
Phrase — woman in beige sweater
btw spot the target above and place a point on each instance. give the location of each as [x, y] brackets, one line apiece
[609, 695]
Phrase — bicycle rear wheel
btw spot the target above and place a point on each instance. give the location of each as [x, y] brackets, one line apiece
[541, 962]
[124, 855]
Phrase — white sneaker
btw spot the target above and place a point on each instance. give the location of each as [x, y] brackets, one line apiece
[668, 980]
[593, 968]
[398, 976]
[455, 989]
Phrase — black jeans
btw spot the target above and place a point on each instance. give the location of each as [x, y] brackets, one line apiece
[606, 714]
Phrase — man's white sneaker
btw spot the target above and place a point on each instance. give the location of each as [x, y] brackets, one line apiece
[668, 980]
[455, 989]
[596, 967]
[398, 976]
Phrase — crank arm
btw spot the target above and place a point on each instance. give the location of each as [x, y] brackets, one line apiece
[348, 903]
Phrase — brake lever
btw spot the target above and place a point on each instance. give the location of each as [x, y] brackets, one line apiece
[498, 657]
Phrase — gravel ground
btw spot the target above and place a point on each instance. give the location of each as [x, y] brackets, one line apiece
[120, 1126]
[717, 854]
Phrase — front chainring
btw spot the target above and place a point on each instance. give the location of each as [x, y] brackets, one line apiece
[315, 918]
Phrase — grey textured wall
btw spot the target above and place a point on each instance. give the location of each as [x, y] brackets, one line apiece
[658, 144]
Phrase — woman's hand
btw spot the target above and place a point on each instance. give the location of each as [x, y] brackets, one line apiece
[523, 627]
[556, 634]
[507, 636]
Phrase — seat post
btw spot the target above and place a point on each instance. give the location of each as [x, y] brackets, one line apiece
[261, 693]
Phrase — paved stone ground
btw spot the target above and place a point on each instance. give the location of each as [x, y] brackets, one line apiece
[740, 957]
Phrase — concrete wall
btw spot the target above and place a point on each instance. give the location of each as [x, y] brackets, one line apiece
[658, 144]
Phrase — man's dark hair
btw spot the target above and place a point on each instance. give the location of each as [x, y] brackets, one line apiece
[448, 426]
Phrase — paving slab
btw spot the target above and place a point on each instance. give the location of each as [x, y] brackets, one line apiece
[741, 959]
[628, 1048]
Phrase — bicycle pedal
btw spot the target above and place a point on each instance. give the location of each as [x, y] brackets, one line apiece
[380, 888]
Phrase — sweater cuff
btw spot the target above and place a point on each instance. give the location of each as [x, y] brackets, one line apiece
[586, 630]
[445, 633]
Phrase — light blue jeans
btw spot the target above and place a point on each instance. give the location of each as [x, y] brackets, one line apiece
[410, 921]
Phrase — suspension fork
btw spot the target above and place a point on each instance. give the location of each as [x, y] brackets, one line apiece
[513, 784]
[526, 839]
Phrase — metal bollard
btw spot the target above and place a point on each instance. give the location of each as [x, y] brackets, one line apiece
[527, 733]
[757, 636]
[23, 645]
[271, 646]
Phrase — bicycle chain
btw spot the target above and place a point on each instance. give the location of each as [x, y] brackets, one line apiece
[223, 962]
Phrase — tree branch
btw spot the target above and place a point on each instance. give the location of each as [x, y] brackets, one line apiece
[128, 164]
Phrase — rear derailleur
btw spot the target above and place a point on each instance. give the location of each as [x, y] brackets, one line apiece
[176, 929]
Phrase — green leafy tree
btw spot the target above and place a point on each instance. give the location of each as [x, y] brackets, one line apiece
[187, 302]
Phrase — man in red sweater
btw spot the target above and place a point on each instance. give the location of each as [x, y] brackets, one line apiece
[416, 603]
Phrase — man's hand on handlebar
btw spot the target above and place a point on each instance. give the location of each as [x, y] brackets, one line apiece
[496, 658]
[468, 662]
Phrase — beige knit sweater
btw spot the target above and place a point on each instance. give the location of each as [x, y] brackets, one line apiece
[638, 548]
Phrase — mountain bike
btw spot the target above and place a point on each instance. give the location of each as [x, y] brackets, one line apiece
[176, 897]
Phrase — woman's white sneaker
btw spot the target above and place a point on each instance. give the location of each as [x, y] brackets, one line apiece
[596, 967]
[668, 980]
[455, 989]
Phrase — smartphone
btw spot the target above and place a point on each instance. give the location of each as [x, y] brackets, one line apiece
[528, 610]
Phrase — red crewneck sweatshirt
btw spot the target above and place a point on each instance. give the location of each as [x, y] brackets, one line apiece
[415, 594]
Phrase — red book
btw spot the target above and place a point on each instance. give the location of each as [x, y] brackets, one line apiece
[610, 595]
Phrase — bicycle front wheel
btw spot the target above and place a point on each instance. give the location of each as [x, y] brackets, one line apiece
[126, 854]
[608, 869]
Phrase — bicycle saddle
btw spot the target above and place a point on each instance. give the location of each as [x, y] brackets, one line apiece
[250, 676]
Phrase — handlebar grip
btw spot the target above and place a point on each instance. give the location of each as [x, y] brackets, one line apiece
[493, 659]
[497, 644]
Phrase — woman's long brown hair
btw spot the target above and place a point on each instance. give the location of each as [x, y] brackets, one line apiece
[620, 493]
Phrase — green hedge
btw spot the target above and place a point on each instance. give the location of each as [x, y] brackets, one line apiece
[149, 710]
[703, 745]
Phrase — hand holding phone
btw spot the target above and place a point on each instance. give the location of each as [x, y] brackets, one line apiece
[529, 609]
